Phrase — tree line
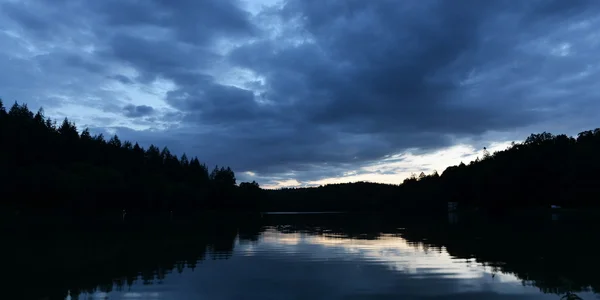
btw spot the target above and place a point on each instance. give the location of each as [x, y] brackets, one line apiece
[54, 168]
[49, 167]
[543, 170]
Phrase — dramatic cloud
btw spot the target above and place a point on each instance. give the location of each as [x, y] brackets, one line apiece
[133, 111]
[300, 91]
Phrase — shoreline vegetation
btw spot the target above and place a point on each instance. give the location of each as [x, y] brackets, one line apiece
[51, 169]
[54, 174]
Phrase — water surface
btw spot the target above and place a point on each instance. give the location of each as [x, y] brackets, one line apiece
[336, 257]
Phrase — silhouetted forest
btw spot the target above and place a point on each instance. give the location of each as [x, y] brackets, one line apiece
[543, 170]
[45, 167]
[53, 168]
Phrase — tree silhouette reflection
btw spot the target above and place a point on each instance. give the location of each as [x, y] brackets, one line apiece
[56, 261]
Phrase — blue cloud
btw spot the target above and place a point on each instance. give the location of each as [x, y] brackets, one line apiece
[305, 87]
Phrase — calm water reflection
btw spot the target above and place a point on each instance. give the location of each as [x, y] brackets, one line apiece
[337, 257]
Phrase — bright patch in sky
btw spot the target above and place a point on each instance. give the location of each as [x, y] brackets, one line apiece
[395, 170]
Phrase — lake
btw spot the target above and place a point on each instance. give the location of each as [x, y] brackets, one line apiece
[315, 256]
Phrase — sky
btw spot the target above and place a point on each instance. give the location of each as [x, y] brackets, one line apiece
[308, 92]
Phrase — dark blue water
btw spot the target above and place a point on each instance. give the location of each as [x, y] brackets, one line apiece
[305, 266]
[330, 257]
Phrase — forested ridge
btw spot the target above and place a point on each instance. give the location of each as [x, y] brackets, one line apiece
[543, 170]
[55, 168]
[50, 168]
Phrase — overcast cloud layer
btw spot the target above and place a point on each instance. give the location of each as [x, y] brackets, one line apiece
[305, 89]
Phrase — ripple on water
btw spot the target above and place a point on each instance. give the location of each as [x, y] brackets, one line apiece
[283, 263]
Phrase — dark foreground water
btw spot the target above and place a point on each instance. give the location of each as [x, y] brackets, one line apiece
[306, 257]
